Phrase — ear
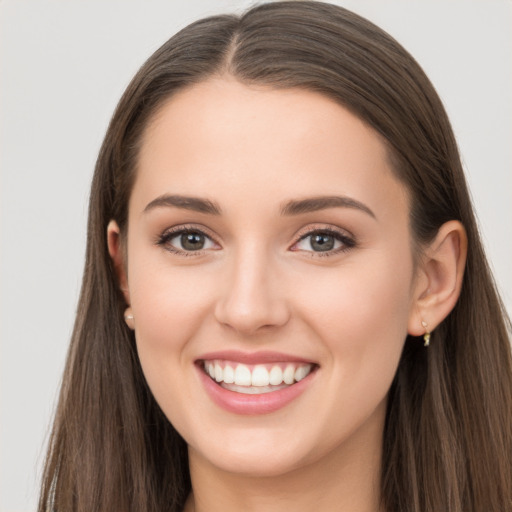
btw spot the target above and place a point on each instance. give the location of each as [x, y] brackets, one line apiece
[115, 249]
[439, 278]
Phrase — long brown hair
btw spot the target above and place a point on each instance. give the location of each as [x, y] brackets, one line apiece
[448, 433]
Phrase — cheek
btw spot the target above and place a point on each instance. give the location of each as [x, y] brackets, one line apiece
[371, 296]
[168, 305]
[361, 315]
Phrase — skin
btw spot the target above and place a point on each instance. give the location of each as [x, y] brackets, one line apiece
[259, 285]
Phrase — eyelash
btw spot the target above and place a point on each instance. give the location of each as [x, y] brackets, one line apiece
[348, 242]
[164, 239]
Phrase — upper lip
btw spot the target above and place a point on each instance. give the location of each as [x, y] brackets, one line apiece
[238, 356]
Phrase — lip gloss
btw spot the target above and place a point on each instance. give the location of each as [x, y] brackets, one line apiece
[247, 404]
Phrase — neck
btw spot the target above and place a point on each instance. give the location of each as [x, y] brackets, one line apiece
[345, 480]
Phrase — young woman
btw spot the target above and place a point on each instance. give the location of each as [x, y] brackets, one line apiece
[285, 304]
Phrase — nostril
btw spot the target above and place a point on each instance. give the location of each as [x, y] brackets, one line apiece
[246, 318]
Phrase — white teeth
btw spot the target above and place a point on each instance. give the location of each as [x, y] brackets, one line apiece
[300, 372]
[229, 375]
[275, 376]
[260, 376]
[218, 372]
[252, 390]
[289, 374]
[242, 375]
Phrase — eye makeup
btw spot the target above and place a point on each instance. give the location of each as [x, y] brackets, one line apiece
[327, 241]
[319, 241]
[194, 240]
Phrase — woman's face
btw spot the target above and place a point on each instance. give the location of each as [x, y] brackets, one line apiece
[268, 243]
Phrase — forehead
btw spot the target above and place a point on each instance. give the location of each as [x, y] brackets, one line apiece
[220, 136]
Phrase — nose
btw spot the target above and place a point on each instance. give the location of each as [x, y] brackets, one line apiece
[253, 297]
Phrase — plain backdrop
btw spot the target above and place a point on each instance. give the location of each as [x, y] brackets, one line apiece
[64, 65]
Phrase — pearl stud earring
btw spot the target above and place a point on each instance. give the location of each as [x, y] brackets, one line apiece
[128, 318]
[426, 336]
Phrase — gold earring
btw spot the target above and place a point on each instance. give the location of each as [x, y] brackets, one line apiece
[426, 336]
[128, 318]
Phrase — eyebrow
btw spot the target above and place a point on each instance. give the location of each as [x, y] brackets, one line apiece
[314, 204]
[294, 207]
[195, 204]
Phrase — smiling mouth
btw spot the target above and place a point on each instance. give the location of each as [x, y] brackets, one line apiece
[256, 379]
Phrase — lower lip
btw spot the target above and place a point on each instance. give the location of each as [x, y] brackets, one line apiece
[240, 403]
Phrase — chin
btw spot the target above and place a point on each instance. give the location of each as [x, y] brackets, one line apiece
[258, 454]
[253, 464]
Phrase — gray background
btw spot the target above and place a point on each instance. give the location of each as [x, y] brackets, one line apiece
[63, 67]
